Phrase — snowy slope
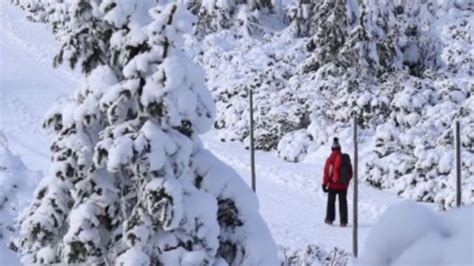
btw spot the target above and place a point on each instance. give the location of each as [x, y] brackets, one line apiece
[29, 85]
[290, 195]
[428, 238]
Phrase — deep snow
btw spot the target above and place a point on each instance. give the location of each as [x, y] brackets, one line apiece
[428, 238]
[291, 200]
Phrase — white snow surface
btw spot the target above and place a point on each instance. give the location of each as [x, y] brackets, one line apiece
[16, 188]
[412, 234]
[290, 196]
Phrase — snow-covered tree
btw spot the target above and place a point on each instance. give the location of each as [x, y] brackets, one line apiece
[131, 182]
[325, 20]
[415, 149]
[350, 58]
[404, 70]
[83, 35]
[237, 65]
[332, 21]
[400, 35]
[274, 116]
[215, 15]
[299, 15]
[38, 10]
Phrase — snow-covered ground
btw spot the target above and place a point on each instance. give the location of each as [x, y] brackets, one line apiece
[29, 85]
[411, 234]
[291, 200]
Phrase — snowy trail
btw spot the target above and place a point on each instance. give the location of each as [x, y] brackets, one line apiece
[291, 200]
[28, 83]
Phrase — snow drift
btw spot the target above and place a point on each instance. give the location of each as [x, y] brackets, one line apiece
[411, 234]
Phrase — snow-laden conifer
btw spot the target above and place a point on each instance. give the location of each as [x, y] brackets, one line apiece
[131, 183]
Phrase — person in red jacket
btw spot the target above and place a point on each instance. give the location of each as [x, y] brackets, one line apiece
[333, 187]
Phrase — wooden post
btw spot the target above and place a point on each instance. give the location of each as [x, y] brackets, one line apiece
[355, 239]
[252, 147]
[457, 136]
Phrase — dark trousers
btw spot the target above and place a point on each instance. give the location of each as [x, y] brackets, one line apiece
[331, 208]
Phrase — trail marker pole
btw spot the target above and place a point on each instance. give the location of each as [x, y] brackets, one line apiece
[355, 239]
[457, 136]
[252, 147]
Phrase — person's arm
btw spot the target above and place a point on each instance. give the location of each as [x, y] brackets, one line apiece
[327, 168]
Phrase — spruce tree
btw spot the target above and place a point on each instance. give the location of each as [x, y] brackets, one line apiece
[326, 19]
[215, 15]
[332, 21]
[131, 182]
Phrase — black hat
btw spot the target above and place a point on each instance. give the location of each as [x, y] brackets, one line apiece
[335, 144]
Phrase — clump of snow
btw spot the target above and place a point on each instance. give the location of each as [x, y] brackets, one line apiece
[412, 234]
[313, 255]
[294, 146]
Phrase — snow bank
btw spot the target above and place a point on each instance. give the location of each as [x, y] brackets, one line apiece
[411, 234]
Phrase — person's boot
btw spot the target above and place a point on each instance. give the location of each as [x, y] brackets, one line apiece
[328, 222]
[343, 225]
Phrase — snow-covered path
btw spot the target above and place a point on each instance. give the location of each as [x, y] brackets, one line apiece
[290, 195]
[28, 83]
[291, 199]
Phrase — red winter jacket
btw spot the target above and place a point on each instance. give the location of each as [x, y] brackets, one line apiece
[331, 171]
